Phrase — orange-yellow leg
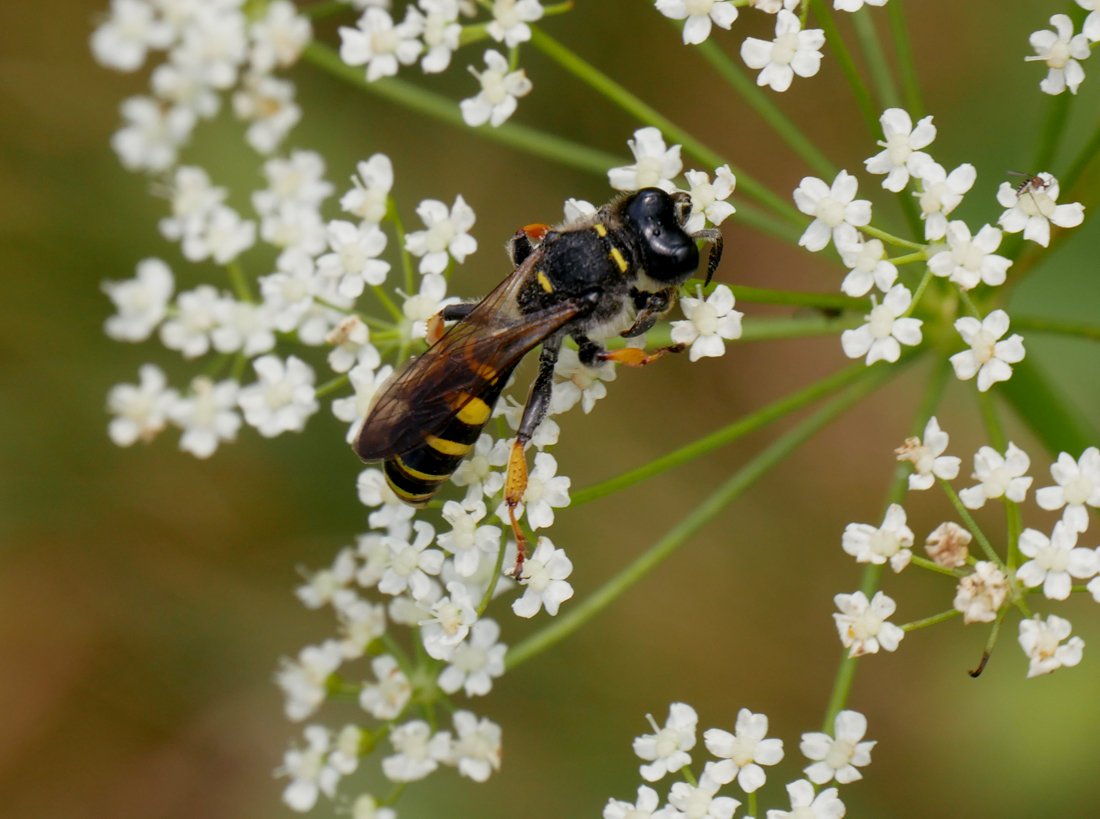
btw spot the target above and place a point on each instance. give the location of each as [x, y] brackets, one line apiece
[633, 357]
[515, 484]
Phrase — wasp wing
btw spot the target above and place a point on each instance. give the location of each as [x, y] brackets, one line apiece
[470, 357]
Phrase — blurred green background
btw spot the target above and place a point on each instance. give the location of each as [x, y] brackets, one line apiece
[145, 597]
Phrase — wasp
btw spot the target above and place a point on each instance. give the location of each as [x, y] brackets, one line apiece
[615, 272]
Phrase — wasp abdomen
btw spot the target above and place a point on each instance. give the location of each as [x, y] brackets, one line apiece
[416, 475]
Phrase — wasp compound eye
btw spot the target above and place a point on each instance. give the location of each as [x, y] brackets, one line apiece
[670, 254]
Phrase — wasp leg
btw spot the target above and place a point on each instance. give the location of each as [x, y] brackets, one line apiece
[591, 354]
[655, 306]
[714, 238]
[452, 312]
[524, 240]
[538, 404]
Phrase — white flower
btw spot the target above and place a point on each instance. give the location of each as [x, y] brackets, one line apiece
[366, 807]
[1042, 643]
[867, 266]
[700, 14]
[793, 51]
[153, 134]
[369, 196]
[387, 698]
[940, 193]
[223, 237]
[289, 292]
[862, 625]
[216, 42]
[282, 398]
[366, 381]
[855, 5]
[1000, 476]
[700, 801]
[446, 233]
[361, 623]
[948, 544]
[708, 199]
[418, 751]
[476, 748]
[654, 166]
[278, 37]
[743, 752]
[902, 154]
[926, 455]
[1078, 485]
[1032, 208]
[838, 758]
[1060, 50]
[1091, 28]
[411, 563]
[303, 681]
[350, 340]
[207, 416]
[267, 104]
[543, 580]
[887, 328]
[835, 209]
[141, 302]
[193, 199]
[892, 541]
[379, 44]
[666, 749]
[480, 472]
[441, 33]
[182, 83]
[421, 306]
[1054, 560]
[297, 180]
[644, 807]
[545, 491]
[123, 40]
[309, 776]
[708, 322]
[467, 541]
[331, 584]
[141, 410]
[988, 358]
[969, 261]
[500, 88]
[242, 326]
[450, 621]
[546, 433]
[354, 260]
[475, 662]
[981, 594]
[805, 805]
[580, 383]
[510, 19]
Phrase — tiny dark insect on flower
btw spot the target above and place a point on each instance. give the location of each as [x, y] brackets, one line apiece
[613, 273]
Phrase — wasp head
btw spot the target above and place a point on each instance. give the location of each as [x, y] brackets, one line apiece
[669, 252]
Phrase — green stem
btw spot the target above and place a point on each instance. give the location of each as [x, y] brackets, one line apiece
[1054, 126]
[877, 63]
[910, 258]
[891, 239]
[771, 329]
[935, 619]
[331, 386]
[907, 66]
[634, 106]
[822, 301]
[933, 566]
[1077, 167]
[971, 524]
[760, 102]
[388, 303]
[399, 234]
[1056, 327]
[866, 105]
[239, 281]
[737, 483]
[726, 435]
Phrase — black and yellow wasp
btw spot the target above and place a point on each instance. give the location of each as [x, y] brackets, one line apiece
[612, 273]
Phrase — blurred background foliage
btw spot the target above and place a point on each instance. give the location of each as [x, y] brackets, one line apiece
[145, 596]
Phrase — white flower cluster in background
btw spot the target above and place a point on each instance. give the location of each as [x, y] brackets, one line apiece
[952, 251]
[986, 588]
[739, 758]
